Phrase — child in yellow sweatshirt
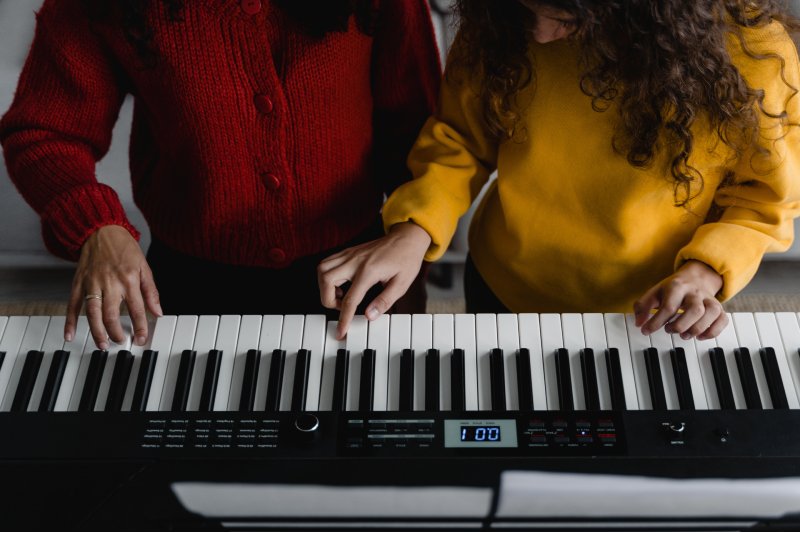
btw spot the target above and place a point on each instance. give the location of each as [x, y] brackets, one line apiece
[647, 156]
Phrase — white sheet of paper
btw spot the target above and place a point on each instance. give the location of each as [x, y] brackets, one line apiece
[311, 501]
[526, 494]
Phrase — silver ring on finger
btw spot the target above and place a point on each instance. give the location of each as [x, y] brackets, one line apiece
[93, 297]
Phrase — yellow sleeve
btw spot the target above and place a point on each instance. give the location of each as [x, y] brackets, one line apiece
[761, 201]
[450, 162]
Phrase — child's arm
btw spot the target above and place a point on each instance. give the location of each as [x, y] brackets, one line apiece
[690, 291]
[759, 204]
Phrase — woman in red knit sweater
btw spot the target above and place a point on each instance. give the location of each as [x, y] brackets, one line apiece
[264, 138]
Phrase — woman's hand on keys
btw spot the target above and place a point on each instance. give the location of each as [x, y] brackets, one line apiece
[112, 268]
[393, 261]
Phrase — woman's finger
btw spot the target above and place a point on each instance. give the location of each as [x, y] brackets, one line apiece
[362, 282]
[93, 304]
[112, 298]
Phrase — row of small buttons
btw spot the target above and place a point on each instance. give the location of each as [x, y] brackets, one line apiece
[559, 433]
[207, 433]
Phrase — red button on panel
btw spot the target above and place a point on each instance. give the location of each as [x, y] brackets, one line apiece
[263, 103]
[271, 181]
[277, 255]
[251, 7]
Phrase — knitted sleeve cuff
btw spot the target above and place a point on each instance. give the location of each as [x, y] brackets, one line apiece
[732, 251]
[71, 218]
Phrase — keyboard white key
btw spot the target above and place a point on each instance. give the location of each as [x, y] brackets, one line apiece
[693, 366]
[769, 330]
[552, 340]
[530, 338]
[728, 341]
[111, 361]
[617, 337]
[80, 378]
[466, 340]
[137, 351]
[355, 343]
[444, 342]
[183, 339]
[163, 334]
[75, 348]
[704, 348]
[572, 333]
[226, 343]
[32, 339]
[662, 341]
[594, 332]
[291, 342]
[421, 342]
[332, 347]
[249, 332]
[508, 341]
[205, 338]
[269, 340]
[638, 343]
[378, 340]
[485, 342]
[747, 333]
[53, 340]
[314, 342]
[399, 340]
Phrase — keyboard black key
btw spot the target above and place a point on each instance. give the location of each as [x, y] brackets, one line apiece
[210, 380]
[33, 361]
[184, 380]
[589, 373]
[564, 379]
[340, 375]
[654, 379]
[275, 381]
[119, 381]
[366, 395]
[524, 388]
[458, 393]
[721, 378]
[773, 374]
[97, 364]
[432, 380]
[748, 378]
[300, 382]
[53, 383]
[682, 383]
[248, 397]
[615, 385]
[407, 380]
[144, 381]
[2, 358]
[497, 379]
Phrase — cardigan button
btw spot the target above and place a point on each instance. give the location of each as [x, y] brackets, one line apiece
[276, 255]
[251, 7]
[263, 103]
[271, 181]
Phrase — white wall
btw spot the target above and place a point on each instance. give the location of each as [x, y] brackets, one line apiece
[20, 238]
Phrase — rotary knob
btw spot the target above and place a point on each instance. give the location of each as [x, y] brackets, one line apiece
[307, 425]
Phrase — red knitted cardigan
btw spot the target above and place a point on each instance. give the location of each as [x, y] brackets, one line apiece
[252, 142]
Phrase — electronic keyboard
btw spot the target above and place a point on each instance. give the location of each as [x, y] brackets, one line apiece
[151, 435]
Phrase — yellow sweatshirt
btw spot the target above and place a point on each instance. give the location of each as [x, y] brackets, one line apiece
[569, 225]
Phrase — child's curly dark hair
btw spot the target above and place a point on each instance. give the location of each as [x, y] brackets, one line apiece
[662, 63]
